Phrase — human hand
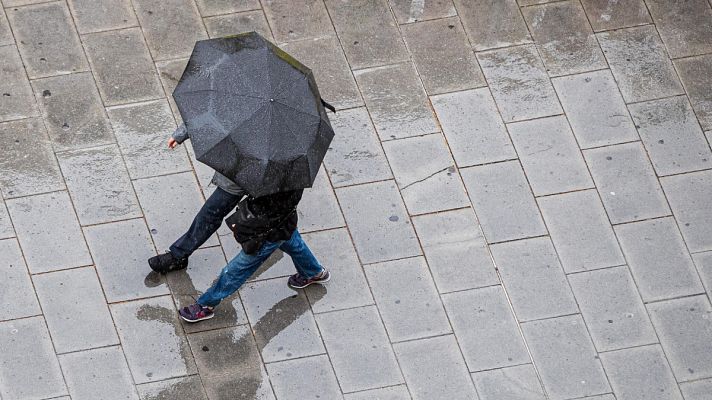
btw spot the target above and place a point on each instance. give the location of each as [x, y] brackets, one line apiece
[172, 143]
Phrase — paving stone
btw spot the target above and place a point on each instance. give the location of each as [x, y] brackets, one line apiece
[170, 203]
[319, 209]
[434, 370]
[378, 222]
[672, 135]
[282, 321]
[503, 201]
[595, 122]
[396, 101]
[407, 11]
[565, 358]
[15, 284]
[626, 182]
[492, 24]
[47, 40]
[103, 15]
[180, 388]
[126, 277]
[688, 195]
[6, 229]
[29, 367]
[233, 24]
[230, 365]
[513, 383]
[203, 269]
[641, 373]
[389, 393]
[550, 155]
[533, 278]
[407, 298]
[473, 127]
[640, 64]
[297, 19]
[231, 314]
[519, 83]
[425, 173]
[443, 55]
[696, 75]
[216, 7]
[485, 328]
[368, 32]
[703, 261]
[601, 397]
[99, 373]
[122, 66]
[292, 379]
[152, 339]
[326, 59]
[170, 72]
[14, 3]
[605, 15]
[456, 250]
[580, 230]
[658, 259]
[700, 390]
[5, 33]
[359, 349]
[356, 157]
[16, 100]
[171, 27]
[685, 29]
[565, 40]
[48, 231]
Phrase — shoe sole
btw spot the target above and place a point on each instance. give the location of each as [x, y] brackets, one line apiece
[302, 287]
[197, 320]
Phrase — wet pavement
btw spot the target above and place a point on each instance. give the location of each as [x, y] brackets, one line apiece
[516, 205]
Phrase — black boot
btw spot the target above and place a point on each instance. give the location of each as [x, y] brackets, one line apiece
[167, 262]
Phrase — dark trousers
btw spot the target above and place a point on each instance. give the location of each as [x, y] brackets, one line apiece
[206, 222]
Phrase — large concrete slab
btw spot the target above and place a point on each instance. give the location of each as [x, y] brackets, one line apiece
[6, 229]
[16, 100]
[319, 208]
[218, 7]
[688, 195]
[406, 11]
[171, 27]
[515, 383]
[102, 15]
[700, 390]
[178, 388]
[686, 29]
[607, 15]
[297, 19]
[696, 76]
[233, 24]
[15, 284]
[389, 393]
[291, 379]
[641, 373]
[99, 373]
[492, 24]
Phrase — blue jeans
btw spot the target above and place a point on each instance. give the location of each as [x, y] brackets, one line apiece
[240, 268]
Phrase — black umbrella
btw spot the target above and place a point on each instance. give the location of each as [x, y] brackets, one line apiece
[253, 114]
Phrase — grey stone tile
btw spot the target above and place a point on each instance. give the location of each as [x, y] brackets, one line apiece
[170, 72]
[605, 15]
[48, 231]
[6, 229]
[16, 100]
[519, 83]
[534, 280]
[359, 349]
[389, 393]
[5, 33]
[601, 397]
[565, 357]
[297, 19]
[170, 203]
[48, 42]
[684, 327]
[550, 155]
[443, 55]
[425, 173]
[485, 328]
[102, 15]
[14, 3]
[291, 379]
[513, 383]
[29, 367]
[99, 373]
[658, 259]
[672, 135]
[319, 209]
[434, 370]
[492, 24]
[356, 156]
[473, 127]
[626, 182]
[407, 298]
[612, 309]
[455, 250]
[152, 339]
[396, 101]
[215, 7]
[564, 37]
[171, 27]
[503, 201]
[230, 365]
[700, 390]
[368, 32]
[232, 24]
[640, 63]
[15, 284]
[281, 319]
[126, 277]
[595, 109]
[641, 373]
[180, 388]
[122, 66]
[75, 310]
[703, 261]
[689, 196]
[580, 230]
[686, 29]
[696, 75]
[407, 11]
[378, 222]
[204, 267]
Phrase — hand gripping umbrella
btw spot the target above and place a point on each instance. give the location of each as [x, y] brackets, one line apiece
[253, 114]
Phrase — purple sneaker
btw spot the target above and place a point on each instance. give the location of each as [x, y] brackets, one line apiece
[299, 282]
[196, 312]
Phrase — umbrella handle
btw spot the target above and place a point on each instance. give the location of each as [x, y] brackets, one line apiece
[329, 106]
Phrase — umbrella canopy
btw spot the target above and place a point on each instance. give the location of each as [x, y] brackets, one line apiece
[253, 114]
